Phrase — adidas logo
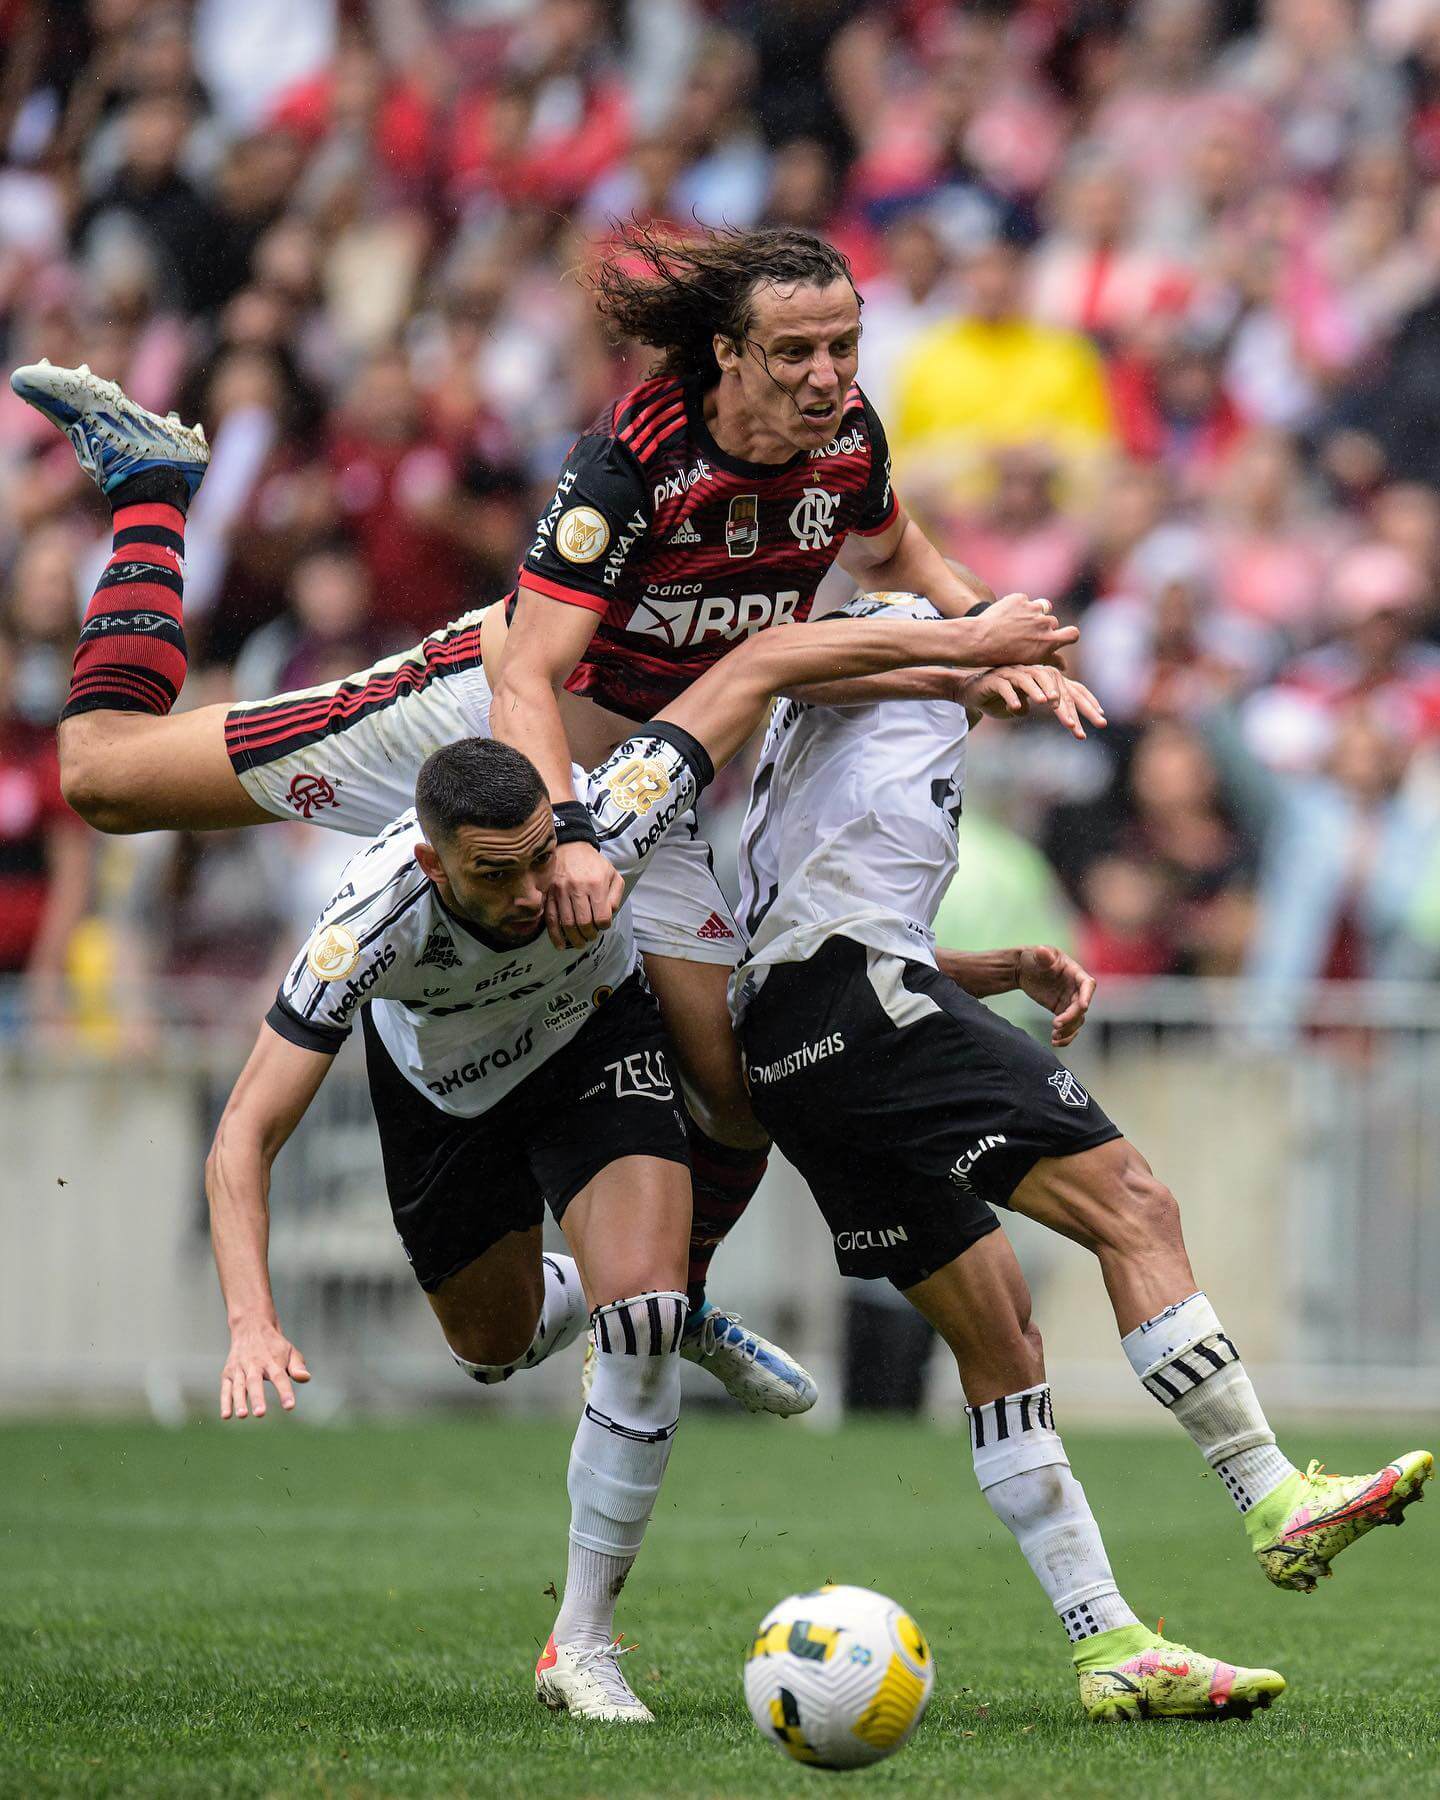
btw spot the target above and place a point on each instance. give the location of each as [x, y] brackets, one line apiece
[687, 534]
[714, 927]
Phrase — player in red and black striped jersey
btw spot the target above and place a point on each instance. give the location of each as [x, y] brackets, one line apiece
[680, 549]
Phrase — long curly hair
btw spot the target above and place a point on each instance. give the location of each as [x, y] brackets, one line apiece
[685, 291]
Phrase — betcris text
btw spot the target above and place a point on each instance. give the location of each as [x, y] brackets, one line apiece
[360, 985]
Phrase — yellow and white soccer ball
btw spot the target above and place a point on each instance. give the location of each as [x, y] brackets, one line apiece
[838, 1678]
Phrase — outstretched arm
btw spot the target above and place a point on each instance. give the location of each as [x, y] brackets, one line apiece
[729, 700]
[275, 1087]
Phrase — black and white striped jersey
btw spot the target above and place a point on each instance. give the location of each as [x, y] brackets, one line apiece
[852, 821]
[464, 1020]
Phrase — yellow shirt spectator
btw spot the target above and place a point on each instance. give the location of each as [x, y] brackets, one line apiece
[993, 379]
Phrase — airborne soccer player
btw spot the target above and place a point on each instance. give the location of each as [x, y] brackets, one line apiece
[702, 507]
[912, 1111]
[508, 1073]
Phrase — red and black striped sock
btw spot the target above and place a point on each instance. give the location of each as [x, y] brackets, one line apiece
[724, 1180]
[131, 654]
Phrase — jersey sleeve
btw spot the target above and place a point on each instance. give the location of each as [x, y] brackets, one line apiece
[641, 789]
[345, 962]
[583, 540]
[878, 505]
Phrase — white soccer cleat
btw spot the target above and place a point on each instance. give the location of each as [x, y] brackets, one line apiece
[114, 438]
[759, 1374]
[588, 1683]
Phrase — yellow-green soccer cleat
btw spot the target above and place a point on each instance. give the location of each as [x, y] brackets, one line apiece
[1131, 1673]
[1297, 1531]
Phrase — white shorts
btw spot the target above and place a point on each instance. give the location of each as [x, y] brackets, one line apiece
[346, 756]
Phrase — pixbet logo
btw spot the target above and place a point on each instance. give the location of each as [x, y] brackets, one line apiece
[680, 622]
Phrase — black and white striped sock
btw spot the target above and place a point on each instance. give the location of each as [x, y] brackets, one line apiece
[621, 1447]
[1185, 1359]
[1024, 1473]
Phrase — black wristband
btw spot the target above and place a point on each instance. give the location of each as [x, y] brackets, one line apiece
[573, 824]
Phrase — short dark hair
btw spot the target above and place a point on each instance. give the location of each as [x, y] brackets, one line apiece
[476, 781]
[677, 294]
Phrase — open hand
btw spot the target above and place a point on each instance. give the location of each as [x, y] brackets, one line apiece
[1058, 983]
[259, 1352]
[1011, 692]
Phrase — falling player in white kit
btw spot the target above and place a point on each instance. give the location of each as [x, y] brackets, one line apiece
[508, 1073]
[911, 1110]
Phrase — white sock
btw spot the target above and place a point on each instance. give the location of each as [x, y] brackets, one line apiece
[1024, 1473]
[562, 1313]
[618, 1458]
[1186, 1361]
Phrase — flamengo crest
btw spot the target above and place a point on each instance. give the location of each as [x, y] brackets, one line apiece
[812, 518]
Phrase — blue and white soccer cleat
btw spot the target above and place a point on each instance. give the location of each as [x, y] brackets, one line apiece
[113, 437]
[759, 1374]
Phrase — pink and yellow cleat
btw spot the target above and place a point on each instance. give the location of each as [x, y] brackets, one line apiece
[1131, 1673]
[1297, 1531]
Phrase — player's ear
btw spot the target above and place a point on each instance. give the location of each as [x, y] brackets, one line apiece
[429, 862]
[727, 352]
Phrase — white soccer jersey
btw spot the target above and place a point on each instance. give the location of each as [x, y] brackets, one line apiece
[851, 828]
[464, 1020]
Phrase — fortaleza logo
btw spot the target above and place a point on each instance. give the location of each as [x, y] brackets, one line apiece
[360, 985]
[799, 1059]
[679, 622]
[484, 1065]
[885, 1237]
[562, 1010]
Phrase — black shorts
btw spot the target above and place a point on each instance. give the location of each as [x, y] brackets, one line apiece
[909, 1108]
[457, 1186]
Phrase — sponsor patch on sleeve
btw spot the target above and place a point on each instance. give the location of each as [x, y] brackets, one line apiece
[582, 535]
[333, 954]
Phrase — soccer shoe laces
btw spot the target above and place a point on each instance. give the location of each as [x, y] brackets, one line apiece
[1315, 1471]
[716, 1326]
[601, 1664]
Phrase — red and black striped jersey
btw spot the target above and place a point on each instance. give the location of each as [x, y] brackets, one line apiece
[682, 550]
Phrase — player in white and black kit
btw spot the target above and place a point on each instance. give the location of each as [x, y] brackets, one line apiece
[507, 1074]
[912, 1110]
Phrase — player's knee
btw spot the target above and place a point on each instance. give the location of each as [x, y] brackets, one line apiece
[488, 1348]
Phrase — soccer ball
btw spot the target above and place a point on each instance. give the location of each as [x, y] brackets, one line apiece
[839, 1677]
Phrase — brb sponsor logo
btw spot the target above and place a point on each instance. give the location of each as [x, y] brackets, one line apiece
[960, 1173]
[691, 621]
[484, 1065]
[308, 793]
[884, 1237]
[803, 1058]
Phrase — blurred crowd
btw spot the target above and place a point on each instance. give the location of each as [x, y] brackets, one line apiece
[1152, 313]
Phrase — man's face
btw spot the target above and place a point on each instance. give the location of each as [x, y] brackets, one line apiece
[798, 360]
[497, 880]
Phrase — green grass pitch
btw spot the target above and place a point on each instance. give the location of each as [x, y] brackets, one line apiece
[275, 1610]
